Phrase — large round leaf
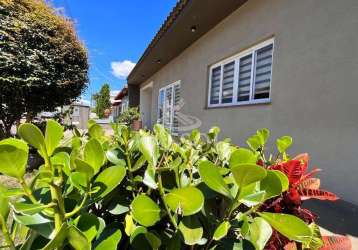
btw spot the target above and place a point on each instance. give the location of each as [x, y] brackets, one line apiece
[191, 230]
[245, 174]
[289, 225]
[145, 210]
[90, 225]
[242, 156]
[109, 239]
[148, 145]
[94, 154]
[260, 232]
[274, 183]
[33, 136]
[187, 201]
[13, 157]
[77, 239]
[109, 179]
[222, 230]
[53, 136]
[211, 176]
[62, 159]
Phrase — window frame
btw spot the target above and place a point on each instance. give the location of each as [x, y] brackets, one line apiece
[236, 58]
[164, 89]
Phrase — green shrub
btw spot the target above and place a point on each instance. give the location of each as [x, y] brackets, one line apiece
[128, 116]
[143, 190]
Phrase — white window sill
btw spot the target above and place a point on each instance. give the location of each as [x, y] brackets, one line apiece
[253, 102]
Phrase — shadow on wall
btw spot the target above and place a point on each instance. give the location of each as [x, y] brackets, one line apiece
[340, 217]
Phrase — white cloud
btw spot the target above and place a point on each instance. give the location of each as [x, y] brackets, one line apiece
[122, 69]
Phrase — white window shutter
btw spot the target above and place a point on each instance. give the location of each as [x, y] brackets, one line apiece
[245, 68]
[215, 85]
[228, 82]
[263, 69]
[161, 106]
[176, 108]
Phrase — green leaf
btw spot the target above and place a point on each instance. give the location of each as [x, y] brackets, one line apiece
[165, 139]
[316, 240]
[84, 168]
[283, 143]
[245, 174]
[186, 201]
[222, 230]
[96, 131]
[153, 240]
[242, 156]
[59, 239]
[137, 232]
[108, 180]
[94, 155]
[254, 142]
[90, 225]
[62, 159]
[118, 209]
[149, 177]
[260, 232]
[191, 230]
[33, 136]
[149, 147]
[213, 133]
[4, 208]
[28, 208]
[211, 176]
[263, 135]
[139, 164]
[111, 241]
[224, 150]
[195, 136]
[112, 156]
[79, 180]
[77, 239]
[274, 183]
[129, 225]
[288, 225]
[13, 157]
[145, 211]
[36, 222]
[53, 136]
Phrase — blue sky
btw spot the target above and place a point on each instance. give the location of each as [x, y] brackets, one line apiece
[116, 32]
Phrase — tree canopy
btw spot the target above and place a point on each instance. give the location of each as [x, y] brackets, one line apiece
[103, 101]
[43, 64]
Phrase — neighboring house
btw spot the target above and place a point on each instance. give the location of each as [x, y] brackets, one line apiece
[120, 103]
[80, 114]
[290, 66]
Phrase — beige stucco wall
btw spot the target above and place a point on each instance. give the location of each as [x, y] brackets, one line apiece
[314, 86]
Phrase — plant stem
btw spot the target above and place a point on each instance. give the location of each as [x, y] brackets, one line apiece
[130, 174]
[57, 198]
[77, 209]
[27, 190]
[7, 236]
[59, 216]
[162, 195]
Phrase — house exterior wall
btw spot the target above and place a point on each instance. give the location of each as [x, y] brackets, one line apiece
[314, 81]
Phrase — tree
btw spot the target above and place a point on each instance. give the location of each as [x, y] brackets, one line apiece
[103, 101]
[43, 64]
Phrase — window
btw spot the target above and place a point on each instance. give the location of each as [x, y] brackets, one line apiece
[242, 79]
[125, 104]
[168, 101]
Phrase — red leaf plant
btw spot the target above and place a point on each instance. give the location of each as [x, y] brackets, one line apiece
[302, 186]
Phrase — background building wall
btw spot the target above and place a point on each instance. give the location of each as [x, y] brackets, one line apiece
[314, 83]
